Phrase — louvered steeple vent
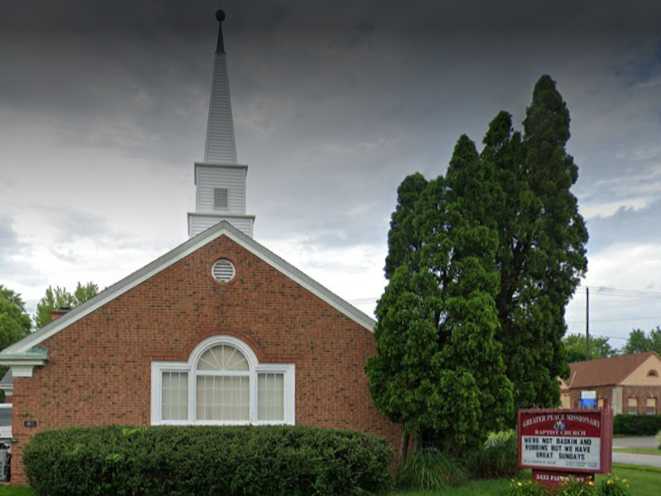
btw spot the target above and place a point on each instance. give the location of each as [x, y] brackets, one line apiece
[220, 181]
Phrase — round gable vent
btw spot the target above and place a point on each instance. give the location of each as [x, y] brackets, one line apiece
[223, 270]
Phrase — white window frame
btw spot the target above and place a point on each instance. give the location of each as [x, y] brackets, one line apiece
[159, 367]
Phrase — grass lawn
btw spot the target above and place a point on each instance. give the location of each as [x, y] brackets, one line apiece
[15, 491]
[639, 451]
[645, 481]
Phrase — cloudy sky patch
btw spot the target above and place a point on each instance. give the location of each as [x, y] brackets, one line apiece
[103, 111]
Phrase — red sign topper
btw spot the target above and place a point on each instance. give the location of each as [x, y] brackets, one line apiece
[564, 442]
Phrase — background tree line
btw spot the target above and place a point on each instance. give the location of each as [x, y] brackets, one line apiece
[15, 322]
[638, 341]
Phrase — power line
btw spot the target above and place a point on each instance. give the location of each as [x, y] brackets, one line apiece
[615, 320]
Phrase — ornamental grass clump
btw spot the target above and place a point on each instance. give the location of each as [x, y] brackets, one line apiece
[429, 470]
[232, 461]
[496, 458]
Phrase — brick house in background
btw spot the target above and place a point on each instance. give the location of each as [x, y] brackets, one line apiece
[628, 383]
[218, 331]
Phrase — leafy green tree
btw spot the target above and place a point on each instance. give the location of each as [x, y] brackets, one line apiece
[61, 298]
[576, 349]
[639, 341]
[439, 370]
[14, 320]
[84, 292]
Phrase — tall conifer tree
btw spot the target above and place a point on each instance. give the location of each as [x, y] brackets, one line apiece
[482, 263]
[542, 242]
[439, 370]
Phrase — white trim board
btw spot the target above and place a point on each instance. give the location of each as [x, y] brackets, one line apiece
[223, 228]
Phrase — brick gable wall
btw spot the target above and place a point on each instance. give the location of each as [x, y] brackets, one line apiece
[98, 369]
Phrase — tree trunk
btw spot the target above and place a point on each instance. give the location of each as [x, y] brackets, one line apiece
[404, 448]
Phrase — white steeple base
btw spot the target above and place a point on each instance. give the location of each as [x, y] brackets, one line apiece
[198, 222]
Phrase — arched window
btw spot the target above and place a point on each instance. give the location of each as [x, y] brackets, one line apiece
[222, 383]
[652, 373]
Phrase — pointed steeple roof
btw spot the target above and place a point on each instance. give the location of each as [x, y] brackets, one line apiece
[220, 146]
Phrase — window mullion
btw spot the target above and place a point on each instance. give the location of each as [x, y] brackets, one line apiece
[253, 395]
[192, 397]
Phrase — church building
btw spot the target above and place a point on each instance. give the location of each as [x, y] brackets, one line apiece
[218, 331]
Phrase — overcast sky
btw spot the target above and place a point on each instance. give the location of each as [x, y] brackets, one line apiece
[103, 109]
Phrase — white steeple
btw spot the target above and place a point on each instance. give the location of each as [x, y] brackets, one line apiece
[220, 181]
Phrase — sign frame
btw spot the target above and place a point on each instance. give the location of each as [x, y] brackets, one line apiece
[605, 435]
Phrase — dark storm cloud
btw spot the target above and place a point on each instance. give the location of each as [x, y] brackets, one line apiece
[175, 16]
[334, 103]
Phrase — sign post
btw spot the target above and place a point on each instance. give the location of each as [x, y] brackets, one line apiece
[561, 443]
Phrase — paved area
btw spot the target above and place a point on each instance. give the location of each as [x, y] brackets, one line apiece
[631, 459]
[635, 459]
[634, 442]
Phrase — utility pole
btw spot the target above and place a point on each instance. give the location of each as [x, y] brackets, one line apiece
[587, 322]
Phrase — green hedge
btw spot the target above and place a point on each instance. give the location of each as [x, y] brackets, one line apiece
[637, 425]
[224, 461]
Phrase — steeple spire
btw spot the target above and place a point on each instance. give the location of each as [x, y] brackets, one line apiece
[220, 146]
[220, 182]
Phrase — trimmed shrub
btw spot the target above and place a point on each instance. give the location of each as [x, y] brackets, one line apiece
[246, 461]
[637, 425]
[497, 458]
[429, 469]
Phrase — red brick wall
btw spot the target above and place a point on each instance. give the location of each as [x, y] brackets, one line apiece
[98, 369]
[641, 393]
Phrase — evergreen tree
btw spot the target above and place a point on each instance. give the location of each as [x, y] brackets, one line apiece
[547, 252]
[61, 298]
[481, 264]
[542, 237]
[14, 321]
[403, 237]
[439, 369]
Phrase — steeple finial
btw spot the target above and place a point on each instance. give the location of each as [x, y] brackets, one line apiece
[220, 45]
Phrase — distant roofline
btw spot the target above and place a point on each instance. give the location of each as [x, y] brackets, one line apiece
[616, 356]
[608, 371]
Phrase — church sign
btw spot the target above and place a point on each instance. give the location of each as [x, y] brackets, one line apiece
[561, 443]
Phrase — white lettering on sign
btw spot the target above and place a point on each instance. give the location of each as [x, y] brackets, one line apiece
[561, 452]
